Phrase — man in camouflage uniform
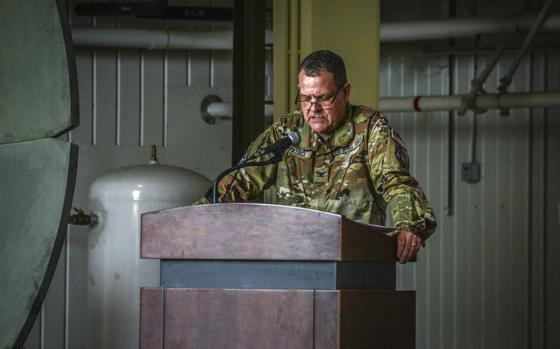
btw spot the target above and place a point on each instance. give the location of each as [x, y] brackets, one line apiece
[349, 160]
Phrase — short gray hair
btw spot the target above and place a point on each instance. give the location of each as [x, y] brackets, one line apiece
[324, 60]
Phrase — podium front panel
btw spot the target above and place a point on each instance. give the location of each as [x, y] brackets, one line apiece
[233, 319]
[310, 275]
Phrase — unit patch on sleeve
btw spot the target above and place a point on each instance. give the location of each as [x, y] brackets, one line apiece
[398, 139]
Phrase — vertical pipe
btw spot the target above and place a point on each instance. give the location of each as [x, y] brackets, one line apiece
[142, 100]
[281, 56]
[294, 49]
[545, 217]
[94, 90]
[166, 96]
[450, 140]
[118, 106]
[530, 215]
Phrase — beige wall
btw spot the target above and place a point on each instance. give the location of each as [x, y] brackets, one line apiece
[349, 28]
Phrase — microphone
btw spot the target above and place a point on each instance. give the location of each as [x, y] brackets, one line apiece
[277, 148]
[281, 145]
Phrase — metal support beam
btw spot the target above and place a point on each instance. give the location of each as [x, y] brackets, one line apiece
[248, 74]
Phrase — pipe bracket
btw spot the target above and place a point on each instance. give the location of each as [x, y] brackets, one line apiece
[206, 101]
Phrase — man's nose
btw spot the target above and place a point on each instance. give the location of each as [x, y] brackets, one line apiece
[315, 106]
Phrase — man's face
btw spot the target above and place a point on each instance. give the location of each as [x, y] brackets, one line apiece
[322, 87]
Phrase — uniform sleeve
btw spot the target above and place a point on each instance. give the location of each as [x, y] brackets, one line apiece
[390, 174]
[246, 184]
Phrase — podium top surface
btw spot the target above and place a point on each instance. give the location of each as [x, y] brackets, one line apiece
[243, 231]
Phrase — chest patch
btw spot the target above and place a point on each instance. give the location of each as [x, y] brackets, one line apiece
[355, 144]
[303, 154]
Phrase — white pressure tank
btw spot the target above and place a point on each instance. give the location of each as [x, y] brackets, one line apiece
[115, 269]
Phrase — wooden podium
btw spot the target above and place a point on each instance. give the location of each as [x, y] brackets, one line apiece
[267, 276]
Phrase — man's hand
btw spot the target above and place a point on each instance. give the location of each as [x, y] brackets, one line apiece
[408, 245]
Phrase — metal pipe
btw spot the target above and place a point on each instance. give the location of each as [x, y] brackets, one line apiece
[469, 102]
[434, 103]
[389, 32]
[156, 39]
[462, 27]
[224, 110]
[484, 102]
[505, 81]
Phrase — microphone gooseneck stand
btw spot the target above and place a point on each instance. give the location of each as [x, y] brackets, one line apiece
[278, 148]
[275, 159]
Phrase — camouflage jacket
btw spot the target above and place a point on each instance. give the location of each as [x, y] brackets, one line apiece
[356, 171]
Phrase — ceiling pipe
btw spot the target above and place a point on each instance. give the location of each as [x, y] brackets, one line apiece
[223, 110]
[463, 27]
[156, 10]
[163, 39]
[484, 102]
[156, 39]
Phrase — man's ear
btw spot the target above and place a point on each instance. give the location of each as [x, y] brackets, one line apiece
[346, 92]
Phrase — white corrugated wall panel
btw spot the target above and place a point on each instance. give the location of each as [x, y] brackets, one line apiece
[473, 278]
[426, 136]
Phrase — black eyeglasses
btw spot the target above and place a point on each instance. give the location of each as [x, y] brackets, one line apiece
[324, 102]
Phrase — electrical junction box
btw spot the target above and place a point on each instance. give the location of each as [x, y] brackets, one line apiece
[470, 172]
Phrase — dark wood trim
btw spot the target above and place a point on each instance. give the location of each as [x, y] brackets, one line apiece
[377, 319]
[260, 232]
[240, 231]
[151, 318]
[360, 242]
[327, 319]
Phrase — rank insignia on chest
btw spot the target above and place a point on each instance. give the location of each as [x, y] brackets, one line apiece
[321, 175]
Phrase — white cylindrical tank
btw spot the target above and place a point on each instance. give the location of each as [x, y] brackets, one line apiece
[115, 269]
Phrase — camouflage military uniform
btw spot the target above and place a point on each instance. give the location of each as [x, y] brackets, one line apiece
[355, 171]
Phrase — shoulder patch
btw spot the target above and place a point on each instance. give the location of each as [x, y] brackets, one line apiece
[398, 138]
[402, 156]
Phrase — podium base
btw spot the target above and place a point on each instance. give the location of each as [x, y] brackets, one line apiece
[266, 318]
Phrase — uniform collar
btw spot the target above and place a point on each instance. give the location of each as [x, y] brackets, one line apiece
[341, 137]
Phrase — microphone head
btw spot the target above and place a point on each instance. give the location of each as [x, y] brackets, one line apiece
[294, 137]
